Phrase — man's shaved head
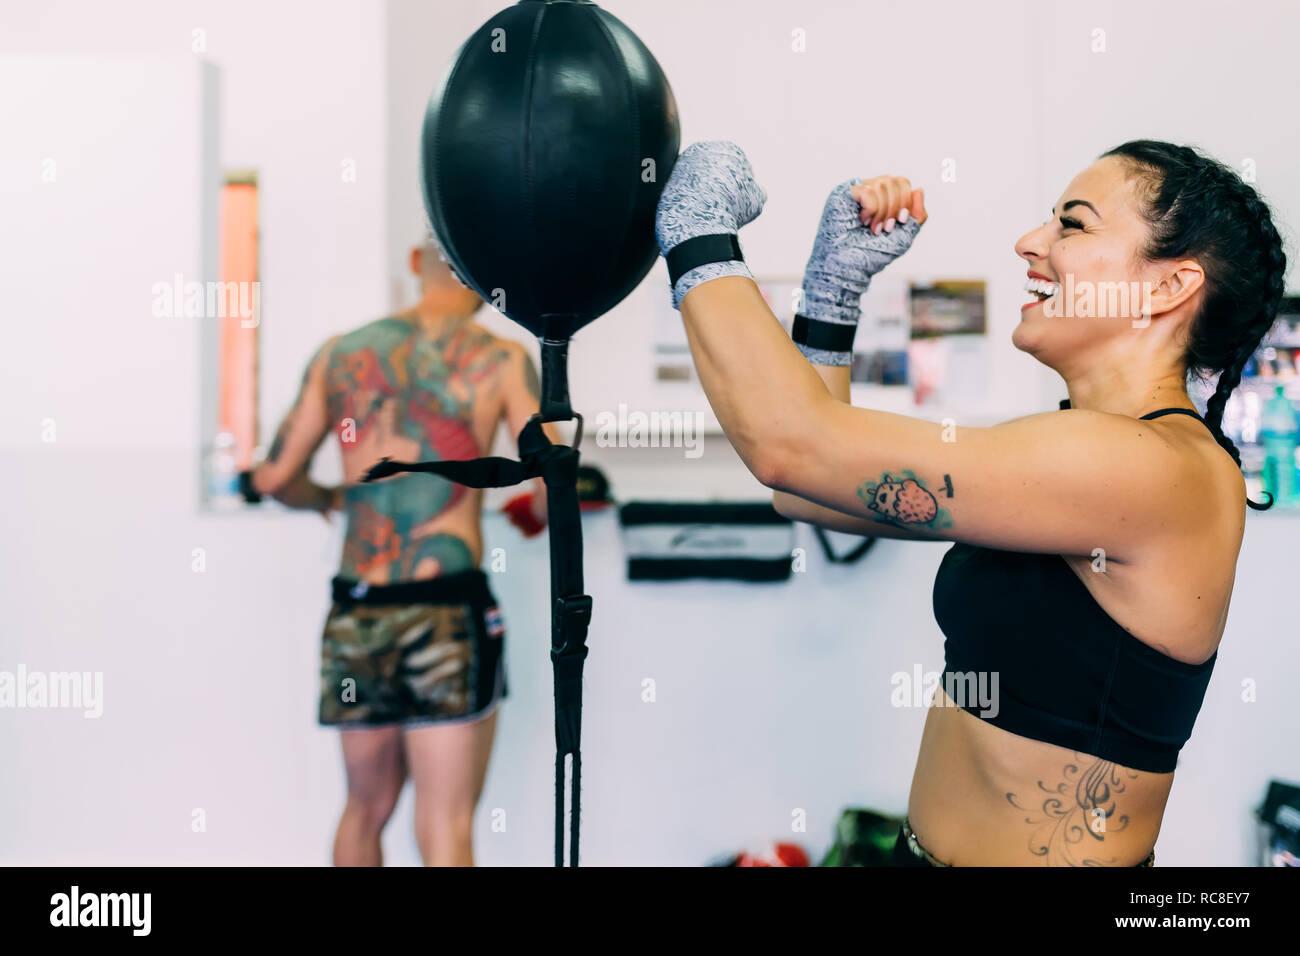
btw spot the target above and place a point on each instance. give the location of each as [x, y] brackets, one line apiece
[434, 269]
[437, 280]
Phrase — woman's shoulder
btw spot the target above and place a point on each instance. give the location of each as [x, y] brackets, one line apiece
[1219, 487]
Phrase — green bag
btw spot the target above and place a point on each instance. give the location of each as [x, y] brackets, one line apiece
[863, 838]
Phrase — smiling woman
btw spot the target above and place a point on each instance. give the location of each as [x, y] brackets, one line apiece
[1095, 546]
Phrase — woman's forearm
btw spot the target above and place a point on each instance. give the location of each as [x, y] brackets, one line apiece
[836, 380]
[765, 394]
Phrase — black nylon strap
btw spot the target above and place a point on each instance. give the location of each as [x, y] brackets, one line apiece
[557, 465]
[474, 473]
[827, 336]
[570, 615]
[861, 548]
[685, 256]
[555, 380]
[1172, 411]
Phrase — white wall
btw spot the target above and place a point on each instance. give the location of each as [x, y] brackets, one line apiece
[1217, 75]
[208, 676]
[770, 698]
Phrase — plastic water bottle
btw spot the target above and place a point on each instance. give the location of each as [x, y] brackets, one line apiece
[1279, 433]
[223, 475]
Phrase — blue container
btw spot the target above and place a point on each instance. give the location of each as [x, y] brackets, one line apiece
[1279, 434]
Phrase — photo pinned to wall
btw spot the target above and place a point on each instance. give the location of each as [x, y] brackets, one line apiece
[949, 342]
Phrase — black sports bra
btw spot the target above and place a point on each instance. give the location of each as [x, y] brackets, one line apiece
[1028, 648]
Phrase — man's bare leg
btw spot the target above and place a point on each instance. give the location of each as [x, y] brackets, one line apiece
[448, 765]
[376, 771]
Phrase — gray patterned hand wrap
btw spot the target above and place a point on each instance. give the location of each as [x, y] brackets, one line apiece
[710, 192]
[846, 254]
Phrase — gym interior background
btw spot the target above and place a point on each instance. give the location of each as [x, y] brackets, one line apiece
[771, 700]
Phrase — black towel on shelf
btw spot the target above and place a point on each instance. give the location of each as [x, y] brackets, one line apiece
[742, 541]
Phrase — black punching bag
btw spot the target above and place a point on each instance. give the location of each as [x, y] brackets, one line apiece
[544, 152]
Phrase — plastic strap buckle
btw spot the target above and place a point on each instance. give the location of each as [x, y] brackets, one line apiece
[572, 619]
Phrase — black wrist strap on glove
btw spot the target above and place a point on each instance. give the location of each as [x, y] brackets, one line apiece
[700, 251]
[826, 336]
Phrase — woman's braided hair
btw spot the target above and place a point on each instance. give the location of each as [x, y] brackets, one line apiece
[1199, 208]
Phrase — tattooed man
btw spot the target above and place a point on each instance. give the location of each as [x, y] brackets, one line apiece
[412, 661]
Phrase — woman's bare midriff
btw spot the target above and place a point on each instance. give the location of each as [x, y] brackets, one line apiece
[984, 797]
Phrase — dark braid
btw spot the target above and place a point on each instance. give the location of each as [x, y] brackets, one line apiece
[1199, 208]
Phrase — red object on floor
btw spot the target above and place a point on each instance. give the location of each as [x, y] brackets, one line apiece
[519, 510]
[781, 854]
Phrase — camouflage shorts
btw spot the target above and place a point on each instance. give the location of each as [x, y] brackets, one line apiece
[416, 652]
